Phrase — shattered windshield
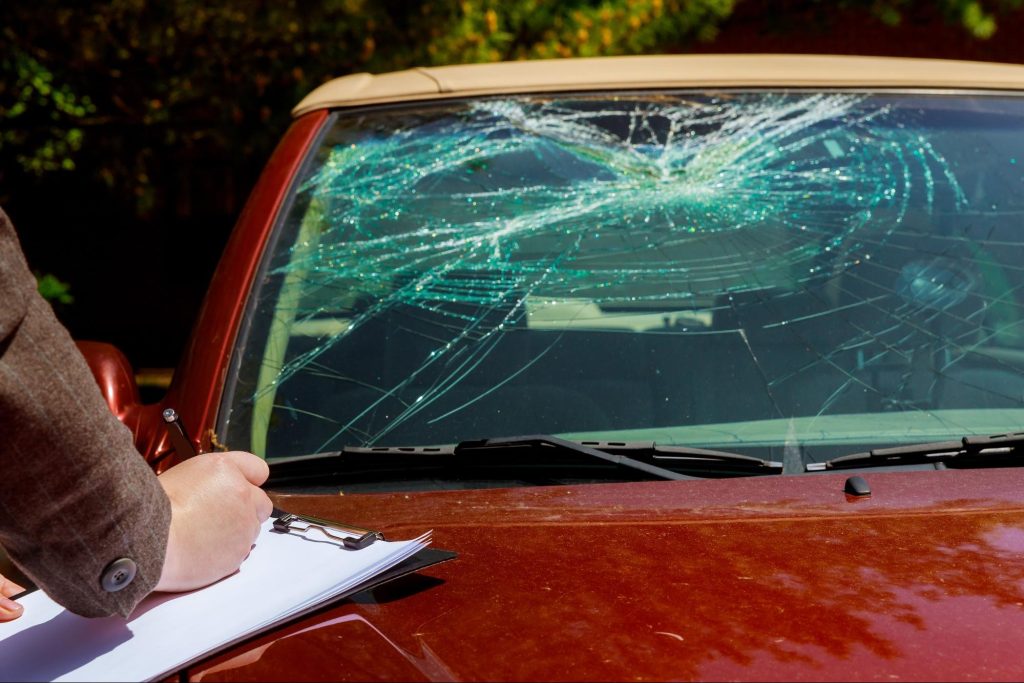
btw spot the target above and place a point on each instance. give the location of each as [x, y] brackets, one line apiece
[788, 273]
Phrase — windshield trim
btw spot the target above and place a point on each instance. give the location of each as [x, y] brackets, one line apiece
[659, 72]
[245, 324]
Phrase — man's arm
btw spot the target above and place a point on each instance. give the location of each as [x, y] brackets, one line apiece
[81, 513]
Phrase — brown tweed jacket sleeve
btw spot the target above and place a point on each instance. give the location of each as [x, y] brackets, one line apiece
[75, 495]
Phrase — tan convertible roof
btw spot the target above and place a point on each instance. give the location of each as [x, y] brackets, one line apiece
[662, 71]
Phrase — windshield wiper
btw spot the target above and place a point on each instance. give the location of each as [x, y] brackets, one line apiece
[994, 450]
[643, 456]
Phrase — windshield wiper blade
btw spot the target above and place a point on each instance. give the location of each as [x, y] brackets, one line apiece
[547, 441]
[994, 447]
[643, 456]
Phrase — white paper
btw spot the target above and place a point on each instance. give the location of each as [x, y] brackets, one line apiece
[284, 574]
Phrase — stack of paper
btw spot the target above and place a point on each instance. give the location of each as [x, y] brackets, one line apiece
[284, 575]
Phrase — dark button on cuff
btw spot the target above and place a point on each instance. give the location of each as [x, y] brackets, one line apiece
[118, 575]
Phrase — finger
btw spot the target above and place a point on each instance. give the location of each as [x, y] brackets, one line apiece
[264, 506]
[8, 587]
[9, 609]
[253, 468]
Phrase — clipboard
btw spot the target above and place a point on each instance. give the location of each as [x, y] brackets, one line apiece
[422, 559]
[104, 637]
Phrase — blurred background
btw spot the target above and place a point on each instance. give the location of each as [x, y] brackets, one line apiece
[131, 131]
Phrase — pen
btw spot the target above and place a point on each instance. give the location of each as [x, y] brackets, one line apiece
[353, 538]
[179, 437]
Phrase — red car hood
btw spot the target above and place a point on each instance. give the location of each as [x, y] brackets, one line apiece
[769, 578]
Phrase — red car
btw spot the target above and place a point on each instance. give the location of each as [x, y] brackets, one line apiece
[707, 367]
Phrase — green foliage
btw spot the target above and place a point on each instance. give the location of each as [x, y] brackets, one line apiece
[488, 30]
[54, 108]
[977, 17]
[54, 290]
[118, 89]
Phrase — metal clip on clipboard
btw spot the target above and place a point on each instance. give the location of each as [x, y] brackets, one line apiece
[352, 537]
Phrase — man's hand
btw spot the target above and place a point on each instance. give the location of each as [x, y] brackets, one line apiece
[217, 508]
[8, 608]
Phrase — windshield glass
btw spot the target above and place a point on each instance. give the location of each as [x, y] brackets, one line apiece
[795, 274]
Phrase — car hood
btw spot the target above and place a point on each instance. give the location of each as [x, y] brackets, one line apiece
[780, 577]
